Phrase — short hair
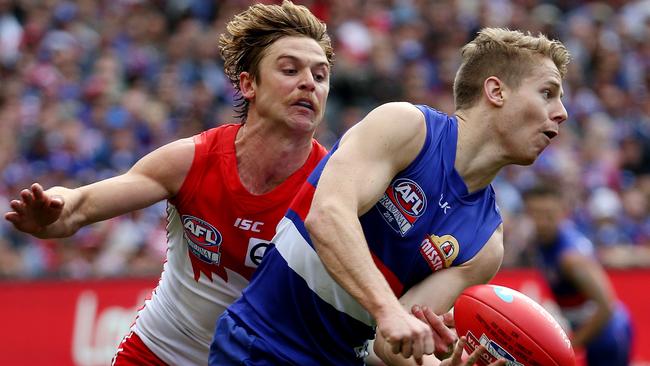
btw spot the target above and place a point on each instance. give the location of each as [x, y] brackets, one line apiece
[540, 190]
[506, 54]
[252, 31]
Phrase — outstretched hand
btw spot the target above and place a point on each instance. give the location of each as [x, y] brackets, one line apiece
[443, 337]
[456, 358]
[35, 210]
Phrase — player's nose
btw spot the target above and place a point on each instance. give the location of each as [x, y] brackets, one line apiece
[307, 81]
[559, 113]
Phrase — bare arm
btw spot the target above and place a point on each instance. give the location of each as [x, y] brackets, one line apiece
[438, 292]
[60, 212]
[588, 276]
[355, 177]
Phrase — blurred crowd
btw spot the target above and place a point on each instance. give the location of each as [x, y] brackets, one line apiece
[87, 87]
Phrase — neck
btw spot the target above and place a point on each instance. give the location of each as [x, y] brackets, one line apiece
[268, 155]
[478, 156]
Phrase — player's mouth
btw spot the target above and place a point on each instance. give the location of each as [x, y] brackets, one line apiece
[550, 134]
[305, 103]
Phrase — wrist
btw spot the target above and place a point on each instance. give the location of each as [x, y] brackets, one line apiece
[386, 308]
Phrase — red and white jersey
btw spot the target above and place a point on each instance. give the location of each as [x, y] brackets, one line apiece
[217, 233]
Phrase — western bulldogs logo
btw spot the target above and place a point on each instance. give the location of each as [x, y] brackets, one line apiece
[402, 203]
[439, 251]
[203, 239]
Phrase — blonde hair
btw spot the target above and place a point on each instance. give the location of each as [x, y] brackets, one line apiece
[252, 31]
[507, 54]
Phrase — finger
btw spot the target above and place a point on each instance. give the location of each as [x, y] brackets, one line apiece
[429, 345]
[457, 355]
[448, 318]
[27, 196]
[418, 360]
[499, 362]
[395, 346]
[407, 348]
[443, 338]
[419, 347]
[474, 356]
[38, 192]
[17, 206]
[438, 326]
[56, 202]
[416, 310]
[417, 352]
[12, 217]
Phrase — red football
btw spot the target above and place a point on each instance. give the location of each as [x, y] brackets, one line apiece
[512, 326]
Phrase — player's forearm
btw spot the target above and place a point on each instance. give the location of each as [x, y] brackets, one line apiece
[338, 238]
[591, 327]
[97, 202]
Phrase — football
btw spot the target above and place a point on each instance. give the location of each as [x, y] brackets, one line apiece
[511, 326]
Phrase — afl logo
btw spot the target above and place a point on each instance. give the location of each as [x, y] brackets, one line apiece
[203, 239]
[410, 197]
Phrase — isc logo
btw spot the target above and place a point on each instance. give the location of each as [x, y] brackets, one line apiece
[246, 225]
[410, 197]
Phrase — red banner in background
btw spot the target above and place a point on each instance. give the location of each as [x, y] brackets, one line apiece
[81, 323]
[67, 323]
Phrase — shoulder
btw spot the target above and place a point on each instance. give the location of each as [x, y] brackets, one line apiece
[169, 164]
[398, 107]
[394, 132]
[402, 115]
[179, 149]
[572, 240]
[390, 123]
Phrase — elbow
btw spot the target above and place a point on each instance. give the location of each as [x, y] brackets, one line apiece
[319, 222]
[314, 221]
[608, 309]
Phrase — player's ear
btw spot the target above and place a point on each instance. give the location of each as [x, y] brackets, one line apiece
[246, 85]
[493, 88]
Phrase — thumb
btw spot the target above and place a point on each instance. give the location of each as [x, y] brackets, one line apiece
[56, 202]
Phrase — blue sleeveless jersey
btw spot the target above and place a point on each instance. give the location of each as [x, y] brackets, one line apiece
[612, 345]
[425, 222]
[568, 240]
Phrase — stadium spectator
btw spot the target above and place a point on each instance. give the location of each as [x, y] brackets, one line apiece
[156, 52]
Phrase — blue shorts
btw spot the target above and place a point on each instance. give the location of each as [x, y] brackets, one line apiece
[235, 345]
[612, 346]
